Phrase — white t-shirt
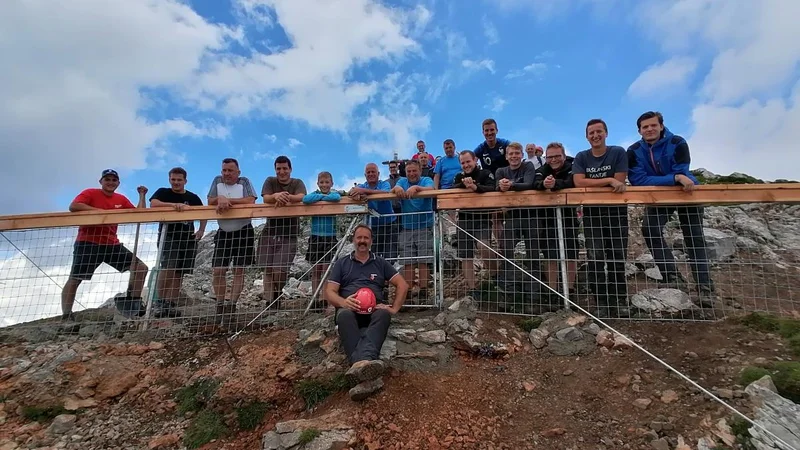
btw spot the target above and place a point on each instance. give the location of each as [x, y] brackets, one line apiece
[241, 189]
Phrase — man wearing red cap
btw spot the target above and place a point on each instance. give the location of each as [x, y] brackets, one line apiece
[98, 244]
[362, 334]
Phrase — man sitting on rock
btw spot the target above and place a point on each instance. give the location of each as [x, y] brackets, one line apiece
[363, 335]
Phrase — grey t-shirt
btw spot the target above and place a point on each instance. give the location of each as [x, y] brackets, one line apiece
[283, 226]
[614, 160]
[241, 189]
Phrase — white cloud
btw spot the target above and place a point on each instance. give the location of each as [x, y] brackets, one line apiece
[757, 138]
[749, 59]
[664, 76]
[490, 32]
[472, 65]
[544, 10]
[72, 87]
[294, 143]
[497, 104]
[455, 45]
[309, 82]
[271, 137]
[536, 69]
[395, 122]
[743, 106]
[30, 283]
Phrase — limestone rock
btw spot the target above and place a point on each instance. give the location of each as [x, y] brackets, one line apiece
[432, 337]
[775, 413]
[662, 300]
[406, 335]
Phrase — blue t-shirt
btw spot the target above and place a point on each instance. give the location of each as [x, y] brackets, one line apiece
[447, 168]
[415, 221]
[493, 158]
[380, 206]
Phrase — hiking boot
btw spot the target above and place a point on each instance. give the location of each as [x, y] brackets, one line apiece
[365, 370]
[130, 307]
[68, 318]
[365, 389]
[674, 281]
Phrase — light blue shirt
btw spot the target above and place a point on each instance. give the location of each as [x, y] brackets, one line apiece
[415, 221]
[447, 168]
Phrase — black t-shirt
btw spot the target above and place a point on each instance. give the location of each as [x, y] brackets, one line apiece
[177, 230]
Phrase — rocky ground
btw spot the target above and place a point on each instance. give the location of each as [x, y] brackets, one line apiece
[458, 379]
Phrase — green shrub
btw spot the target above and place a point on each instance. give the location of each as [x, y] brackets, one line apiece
[196, 396]
[309, 435]
[205, 427]
[316, 391]
[249, 416]
[785, 375]
[531, 323]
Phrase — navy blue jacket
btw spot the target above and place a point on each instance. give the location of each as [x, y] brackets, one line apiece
[658, 164]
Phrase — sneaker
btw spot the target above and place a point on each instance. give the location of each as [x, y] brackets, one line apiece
[364, 390]
[365, 370]
[68, 318]
[130, 307]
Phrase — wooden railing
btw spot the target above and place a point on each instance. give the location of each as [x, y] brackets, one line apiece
[446, 199]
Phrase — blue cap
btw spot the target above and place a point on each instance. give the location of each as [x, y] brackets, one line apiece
[109, 172]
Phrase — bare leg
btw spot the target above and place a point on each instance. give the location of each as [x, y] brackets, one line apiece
[68, 295]
[269, 288]
[408, 274]
[572, 272]
[219, 283]
[174, 286]
[238, 283]
[468, 267]
[423, 276]
[279, 280]
[138, 274]
[552, 275]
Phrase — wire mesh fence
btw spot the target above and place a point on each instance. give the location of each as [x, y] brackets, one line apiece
[634, 262]
[626, 262]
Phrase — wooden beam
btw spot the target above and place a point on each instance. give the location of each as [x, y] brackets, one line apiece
[154, 215]
[446, 199]
[497, 200]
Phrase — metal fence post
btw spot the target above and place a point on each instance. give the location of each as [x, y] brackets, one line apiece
[562, 255]
[440, 260]
[152, 286]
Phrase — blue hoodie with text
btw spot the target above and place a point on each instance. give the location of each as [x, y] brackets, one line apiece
[658, 164]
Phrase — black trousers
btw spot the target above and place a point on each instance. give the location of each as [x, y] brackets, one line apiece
[606, 231]
[691, 220]
[366, 346]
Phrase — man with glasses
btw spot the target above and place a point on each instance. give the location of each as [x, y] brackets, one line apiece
[554, 176]
[234, 243]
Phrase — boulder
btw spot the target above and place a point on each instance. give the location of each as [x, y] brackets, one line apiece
[662, 300]
[774, 413]
[720, 245]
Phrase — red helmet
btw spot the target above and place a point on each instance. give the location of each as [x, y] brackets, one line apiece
[366, 298]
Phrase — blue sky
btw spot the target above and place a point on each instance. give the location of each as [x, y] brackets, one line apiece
[144, 86]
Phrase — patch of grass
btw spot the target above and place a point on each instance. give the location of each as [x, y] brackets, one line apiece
[42, 413]
[249, 416]
[785, 375]
[315, 392]
[740, 428]
[752, 373]
[531, 323]
[309, 435]
[205, 427]
[789, 329]
[197, 395]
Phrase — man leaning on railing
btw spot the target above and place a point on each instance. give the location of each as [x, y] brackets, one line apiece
[179, 246]
[661, 158]
[555, 175]
[234, 241]
[605, 227]
[98, 244]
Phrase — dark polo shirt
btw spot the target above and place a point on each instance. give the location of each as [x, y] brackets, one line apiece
[351, 275]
